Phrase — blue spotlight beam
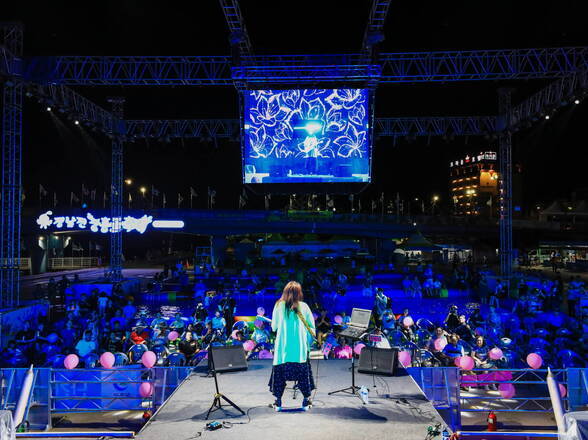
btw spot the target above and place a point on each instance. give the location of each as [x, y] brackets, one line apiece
[414, 67]
[229, 128]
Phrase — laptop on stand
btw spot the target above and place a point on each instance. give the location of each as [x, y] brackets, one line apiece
[360, 321]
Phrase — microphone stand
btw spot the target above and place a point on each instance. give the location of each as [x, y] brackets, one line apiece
[218, 396]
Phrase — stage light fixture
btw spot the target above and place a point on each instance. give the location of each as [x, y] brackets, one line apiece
[547, 117]
[577, 101]
[48, 109]
[76, 122]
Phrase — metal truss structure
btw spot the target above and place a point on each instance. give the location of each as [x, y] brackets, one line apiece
[374, 31]
[12, 95]
[384, 127]
[48, 79]
[116, 190]
[505, 193]
[239, 36]
[411, 67]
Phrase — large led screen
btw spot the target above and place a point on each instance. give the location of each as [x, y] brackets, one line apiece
[302, 136]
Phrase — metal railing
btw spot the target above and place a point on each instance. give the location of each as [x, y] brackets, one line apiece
[24, 263]
[73, 263]
[61, 391]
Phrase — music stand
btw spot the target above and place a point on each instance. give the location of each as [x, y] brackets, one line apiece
[352, 389]
[217, 402]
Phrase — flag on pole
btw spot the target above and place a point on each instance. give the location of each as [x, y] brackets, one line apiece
[267, 199]
[93, 195]
[164, 201]
[193, 195]
[42, 191]
[242, 201]
[374, 206]
[180, 200]
[73, 198]
[130, 200]
[104, 199]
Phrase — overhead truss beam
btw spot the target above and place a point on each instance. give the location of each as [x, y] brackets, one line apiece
[239, 36]
[412, 67]
[230, 128]
[555, 95]
[374, 31]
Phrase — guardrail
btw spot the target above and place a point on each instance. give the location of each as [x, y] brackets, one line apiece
[73, 263]
[61, 391]
[24, 263]
[442, 386]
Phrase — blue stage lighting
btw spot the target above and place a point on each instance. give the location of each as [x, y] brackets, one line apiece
[313, 127]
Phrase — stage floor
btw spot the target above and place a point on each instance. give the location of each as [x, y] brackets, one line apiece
[397, 408]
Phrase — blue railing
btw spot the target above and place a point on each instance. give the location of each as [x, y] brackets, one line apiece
[61, 391]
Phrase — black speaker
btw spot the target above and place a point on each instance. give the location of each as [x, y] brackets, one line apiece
[229, 358]
[380, 361]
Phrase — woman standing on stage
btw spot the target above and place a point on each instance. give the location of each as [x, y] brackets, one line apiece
[293, 322]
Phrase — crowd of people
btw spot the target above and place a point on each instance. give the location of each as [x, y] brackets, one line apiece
[533, 315]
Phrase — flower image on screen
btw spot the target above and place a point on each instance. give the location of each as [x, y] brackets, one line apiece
[306, 135]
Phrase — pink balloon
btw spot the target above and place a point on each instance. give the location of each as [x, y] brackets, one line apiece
[358, 348]
[408, 321]
[148, 359]
[457, 361]
[338, 319]
[249, 345]
[145, 389]
[234, 334]
[507, 390]
[71, 361]
[107, 360]
[495, 354]
[440, 344]
[562, 390]
[404, 358]
[466, 363]
[260, 311]
[265, 354]
[534, 360]
[173, 335]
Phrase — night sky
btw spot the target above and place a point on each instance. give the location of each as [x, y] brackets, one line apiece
[62, 156]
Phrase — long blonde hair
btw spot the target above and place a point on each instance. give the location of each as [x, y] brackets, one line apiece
[292, 295]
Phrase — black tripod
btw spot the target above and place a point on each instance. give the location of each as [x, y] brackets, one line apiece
[217, 402]
[353, 389]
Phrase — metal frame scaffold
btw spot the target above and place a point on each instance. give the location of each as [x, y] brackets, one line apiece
[48, 78]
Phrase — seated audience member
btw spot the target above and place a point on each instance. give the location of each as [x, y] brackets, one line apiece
[480, 354]
[218, 322]
[118, 317]
[116, 338]
[452, 350]
[323, 326]
[129, 311]
[463, 330]
[178, 323]
[85, 346]
[439, 334]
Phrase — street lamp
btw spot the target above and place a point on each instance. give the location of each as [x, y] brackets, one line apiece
[129, 181]
[143, 190]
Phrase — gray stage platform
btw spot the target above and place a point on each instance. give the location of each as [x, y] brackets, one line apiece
[397, 408]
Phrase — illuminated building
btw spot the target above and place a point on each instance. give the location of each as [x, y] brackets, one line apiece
[473, 184]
